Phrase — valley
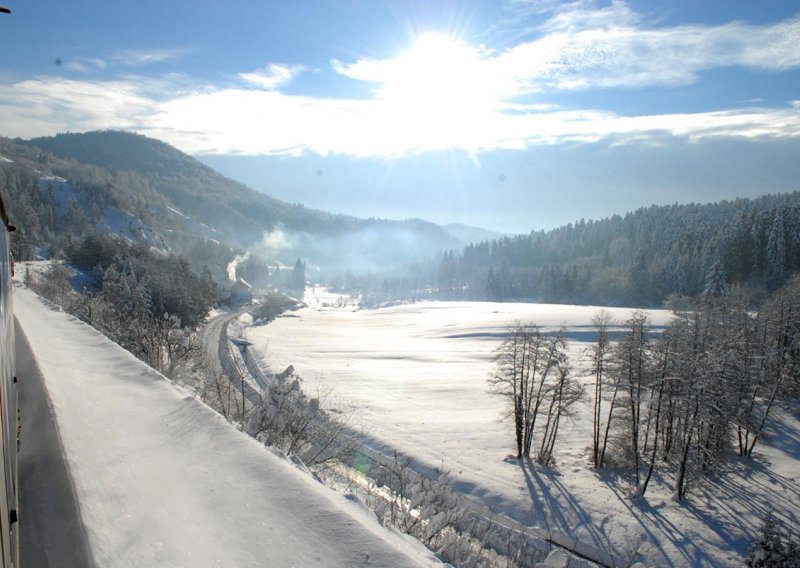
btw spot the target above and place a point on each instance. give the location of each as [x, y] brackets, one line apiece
[418, 375]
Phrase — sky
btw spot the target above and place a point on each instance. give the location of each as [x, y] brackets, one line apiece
[511, 115]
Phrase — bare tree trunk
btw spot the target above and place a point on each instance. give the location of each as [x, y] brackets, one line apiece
[763, 421]
[519, 421]
[601, 321]
[643, 488]
[608, 424]
[680, 479]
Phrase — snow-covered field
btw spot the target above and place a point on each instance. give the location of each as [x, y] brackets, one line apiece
[162, 480]
[419, 373]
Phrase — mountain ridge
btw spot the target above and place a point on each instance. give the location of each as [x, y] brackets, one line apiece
[182, 200]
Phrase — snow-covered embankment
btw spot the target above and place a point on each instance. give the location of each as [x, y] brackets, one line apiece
[162, 480]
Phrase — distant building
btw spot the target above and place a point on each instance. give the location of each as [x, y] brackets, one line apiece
[241, 292]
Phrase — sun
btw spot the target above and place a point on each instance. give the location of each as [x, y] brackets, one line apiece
[436, 69]
[439, 89]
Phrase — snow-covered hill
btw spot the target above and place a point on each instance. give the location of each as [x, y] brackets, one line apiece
[162, 480]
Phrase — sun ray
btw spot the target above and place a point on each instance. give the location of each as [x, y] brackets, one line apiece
[427, 93]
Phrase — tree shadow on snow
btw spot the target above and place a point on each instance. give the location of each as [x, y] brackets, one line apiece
[559, 513]
[554, 506]
[734, 510]
[782, 434]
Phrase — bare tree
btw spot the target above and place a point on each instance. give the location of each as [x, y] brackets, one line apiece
[511, 375]
[215, 388]
[531, 370]
[662, 353]
[548, 356]
[599, 352]
[301, 425]
[564, 392]
[778, 363]
[632, 370]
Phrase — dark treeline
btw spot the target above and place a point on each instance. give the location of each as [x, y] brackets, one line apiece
[57, 202]
[129, 185]
[639, 259]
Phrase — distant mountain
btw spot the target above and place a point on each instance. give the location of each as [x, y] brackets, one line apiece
[179, 200]
[471, 235]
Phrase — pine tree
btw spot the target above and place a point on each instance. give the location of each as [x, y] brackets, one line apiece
[639, 280]
[715, 285]
[768, 550]
[776, 250]
[491, 288]
[298, 277]
[505, 283]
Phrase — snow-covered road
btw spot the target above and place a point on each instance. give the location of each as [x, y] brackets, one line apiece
[162, 480]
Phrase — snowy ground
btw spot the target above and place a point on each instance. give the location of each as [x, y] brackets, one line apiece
[419, 372]
[162, 480]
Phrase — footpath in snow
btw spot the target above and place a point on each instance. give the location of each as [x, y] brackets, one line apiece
[162, 480]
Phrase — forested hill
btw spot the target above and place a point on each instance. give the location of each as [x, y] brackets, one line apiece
[65, 187]
[639, 259]
[192, 187]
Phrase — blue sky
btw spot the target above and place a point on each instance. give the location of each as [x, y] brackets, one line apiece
[513, 115]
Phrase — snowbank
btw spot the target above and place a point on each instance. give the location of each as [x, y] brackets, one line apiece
[162, 480]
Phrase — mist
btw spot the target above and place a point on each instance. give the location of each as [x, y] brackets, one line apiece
[391, 249]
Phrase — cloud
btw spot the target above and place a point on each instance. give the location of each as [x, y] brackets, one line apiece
[143, 57]
[46, 105]
[125, 58]
[442, 93]
[584, 15]
[273, 76]
[581, 47]
[86, 64]
[246, 121]
[571, 56]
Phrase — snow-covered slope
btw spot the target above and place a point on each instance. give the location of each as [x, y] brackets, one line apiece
[162, 480]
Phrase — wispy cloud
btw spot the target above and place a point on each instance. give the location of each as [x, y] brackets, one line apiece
[143, 57]
[46, 105]
[574, 55]
[273, 76]
[86, 64]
